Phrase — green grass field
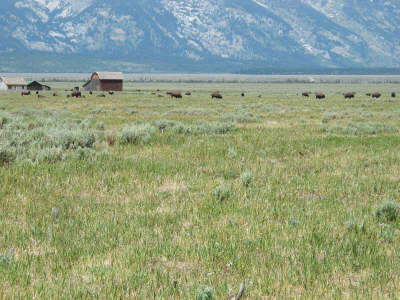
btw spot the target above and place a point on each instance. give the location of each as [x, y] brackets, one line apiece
[136, 196]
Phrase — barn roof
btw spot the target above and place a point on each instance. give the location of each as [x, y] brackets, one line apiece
[14, 80]
[37, 83]
[110, 75]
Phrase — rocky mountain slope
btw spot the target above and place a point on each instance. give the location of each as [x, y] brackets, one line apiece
[227, 34]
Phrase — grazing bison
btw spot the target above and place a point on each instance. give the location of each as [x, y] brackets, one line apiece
[393, 95]
[349, 95]
[376, 95]
[216, 95]
[76, 94]
[101, 96]
[111, 93]
[25, 93]
[306, 94]
[188, 93]
[55, 95]
[177, 95]
[320, 96]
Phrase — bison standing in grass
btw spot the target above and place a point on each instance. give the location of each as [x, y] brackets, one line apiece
[216, 95]
[376, 95]
[177, 95]
[306, 94]
[76, 94]
[320, 96]
[349, 95]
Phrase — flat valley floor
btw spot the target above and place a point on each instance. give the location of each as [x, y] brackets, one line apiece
[139, 196]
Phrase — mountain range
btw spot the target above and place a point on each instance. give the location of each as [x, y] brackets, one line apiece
[197, 35]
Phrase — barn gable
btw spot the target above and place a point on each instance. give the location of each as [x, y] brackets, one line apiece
[105, 81]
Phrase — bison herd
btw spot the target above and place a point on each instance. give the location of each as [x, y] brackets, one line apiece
[215, 95]
[348, 95]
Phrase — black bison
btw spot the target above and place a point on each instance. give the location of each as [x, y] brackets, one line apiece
[25, 93]
[393, 95]
[188, 93]
[376, 95]
[76, 94]
[320, 96]
[349, 95]
[111, 93]
[306, 94]
[177, 95]
[216, 95]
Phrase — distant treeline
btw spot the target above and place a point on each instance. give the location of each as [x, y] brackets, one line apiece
[321, 71]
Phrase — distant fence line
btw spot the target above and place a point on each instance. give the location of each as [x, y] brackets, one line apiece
[220, 78]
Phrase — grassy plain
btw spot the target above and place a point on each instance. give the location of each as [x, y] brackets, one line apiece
[136, 196]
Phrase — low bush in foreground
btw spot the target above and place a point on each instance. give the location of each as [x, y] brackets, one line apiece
[222, 192]
[360, 128]
[42, 139]
[388, 212]
[136, 134]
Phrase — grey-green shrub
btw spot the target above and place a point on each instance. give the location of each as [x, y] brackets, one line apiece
[222, 192]
[163, 125]
[239, 117]
[246, 178]
[136, 134]
[329, 117]
[50, 155]
[388, 212]
[73, 139]
[205, 293]
[360, 128]
[6, 155]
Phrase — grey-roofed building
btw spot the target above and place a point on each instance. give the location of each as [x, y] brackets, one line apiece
[12, 84]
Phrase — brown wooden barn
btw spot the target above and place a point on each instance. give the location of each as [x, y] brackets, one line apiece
[105, 81]
[37, 86]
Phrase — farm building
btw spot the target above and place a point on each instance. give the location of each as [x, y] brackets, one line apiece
[12, 84]
[105, 81]
[37, 86]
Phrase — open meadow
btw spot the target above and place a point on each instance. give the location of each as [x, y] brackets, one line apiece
[137, 196]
